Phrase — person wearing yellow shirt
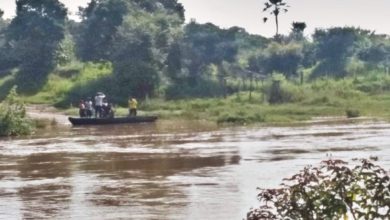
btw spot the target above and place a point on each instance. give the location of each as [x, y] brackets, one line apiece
[133, 106]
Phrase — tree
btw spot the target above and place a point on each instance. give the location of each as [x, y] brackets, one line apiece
[298, 27]
[297, 31]
[283, 58]
[34, 35]
[276, 6]
[65, 52]
[171, 5]
[137, 76]
[376, 55]
[173, 62]
[135, 36]
[197, 61]
[98, 28]
[333, 48]
[206, 44]
[143, 43]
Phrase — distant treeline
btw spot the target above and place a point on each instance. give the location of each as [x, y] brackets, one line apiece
[152, 51]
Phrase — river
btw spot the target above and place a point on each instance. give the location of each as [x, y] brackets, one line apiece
[167, 170]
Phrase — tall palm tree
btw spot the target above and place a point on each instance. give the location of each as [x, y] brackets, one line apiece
[276, 6]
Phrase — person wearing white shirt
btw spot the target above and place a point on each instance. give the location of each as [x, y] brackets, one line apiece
[99, 104]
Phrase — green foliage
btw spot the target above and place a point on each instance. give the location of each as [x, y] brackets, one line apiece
[376, 53]
[332, 191]
[278, 58]
[35, 33]
[372, 83]
[207, 53]
[137, 76]
[65, 52]
[103, 17]
[211, 44]
[135, 36]
[171, 6]
[143, 48]
[201, 46]
[13, 119]
[85, 82]
[334, 47]
[341, 89]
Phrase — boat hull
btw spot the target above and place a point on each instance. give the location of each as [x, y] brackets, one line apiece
[106, 121]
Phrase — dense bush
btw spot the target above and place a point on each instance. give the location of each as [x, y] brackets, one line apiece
[13, 120]
[352, 113]
[241, 118]
[331, 191]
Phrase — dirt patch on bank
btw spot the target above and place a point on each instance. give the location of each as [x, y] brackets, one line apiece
[47, 112]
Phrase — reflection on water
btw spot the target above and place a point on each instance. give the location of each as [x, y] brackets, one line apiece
[166, 170]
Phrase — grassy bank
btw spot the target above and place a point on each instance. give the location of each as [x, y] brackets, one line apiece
[324, 97]
[244, 111]
[365, 95]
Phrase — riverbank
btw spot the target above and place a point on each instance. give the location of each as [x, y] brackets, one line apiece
[363, 95]
[218, 113]
[240, 109]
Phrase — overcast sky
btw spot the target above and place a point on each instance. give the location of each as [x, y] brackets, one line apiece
[367, 14]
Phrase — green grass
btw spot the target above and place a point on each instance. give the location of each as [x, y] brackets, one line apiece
[64, 80]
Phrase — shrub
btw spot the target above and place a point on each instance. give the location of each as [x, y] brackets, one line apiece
[13, 120]
[331, 191]
[352, 113]
[235, 119]
[240, 117]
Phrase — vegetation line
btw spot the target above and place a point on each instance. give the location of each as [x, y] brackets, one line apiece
[196, 71]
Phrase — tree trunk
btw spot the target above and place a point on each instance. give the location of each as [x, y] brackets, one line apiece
[250, 87]
[301, 76]
[262, 90]
[222, 80]
[277, 25]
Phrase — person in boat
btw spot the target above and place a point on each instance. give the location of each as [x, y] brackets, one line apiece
[109, 110]
[82, 110]
[104, 108]
[99, 104]
[132, 106]
[89, 107]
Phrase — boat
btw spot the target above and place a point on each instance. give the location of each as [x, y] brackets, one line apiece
[116, 120]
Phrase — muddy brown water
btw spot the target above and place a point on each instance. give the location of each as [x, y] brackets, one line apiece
[167, 170]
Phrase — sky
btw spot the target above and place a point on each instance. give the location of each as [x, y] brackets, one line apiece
[366, 14]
